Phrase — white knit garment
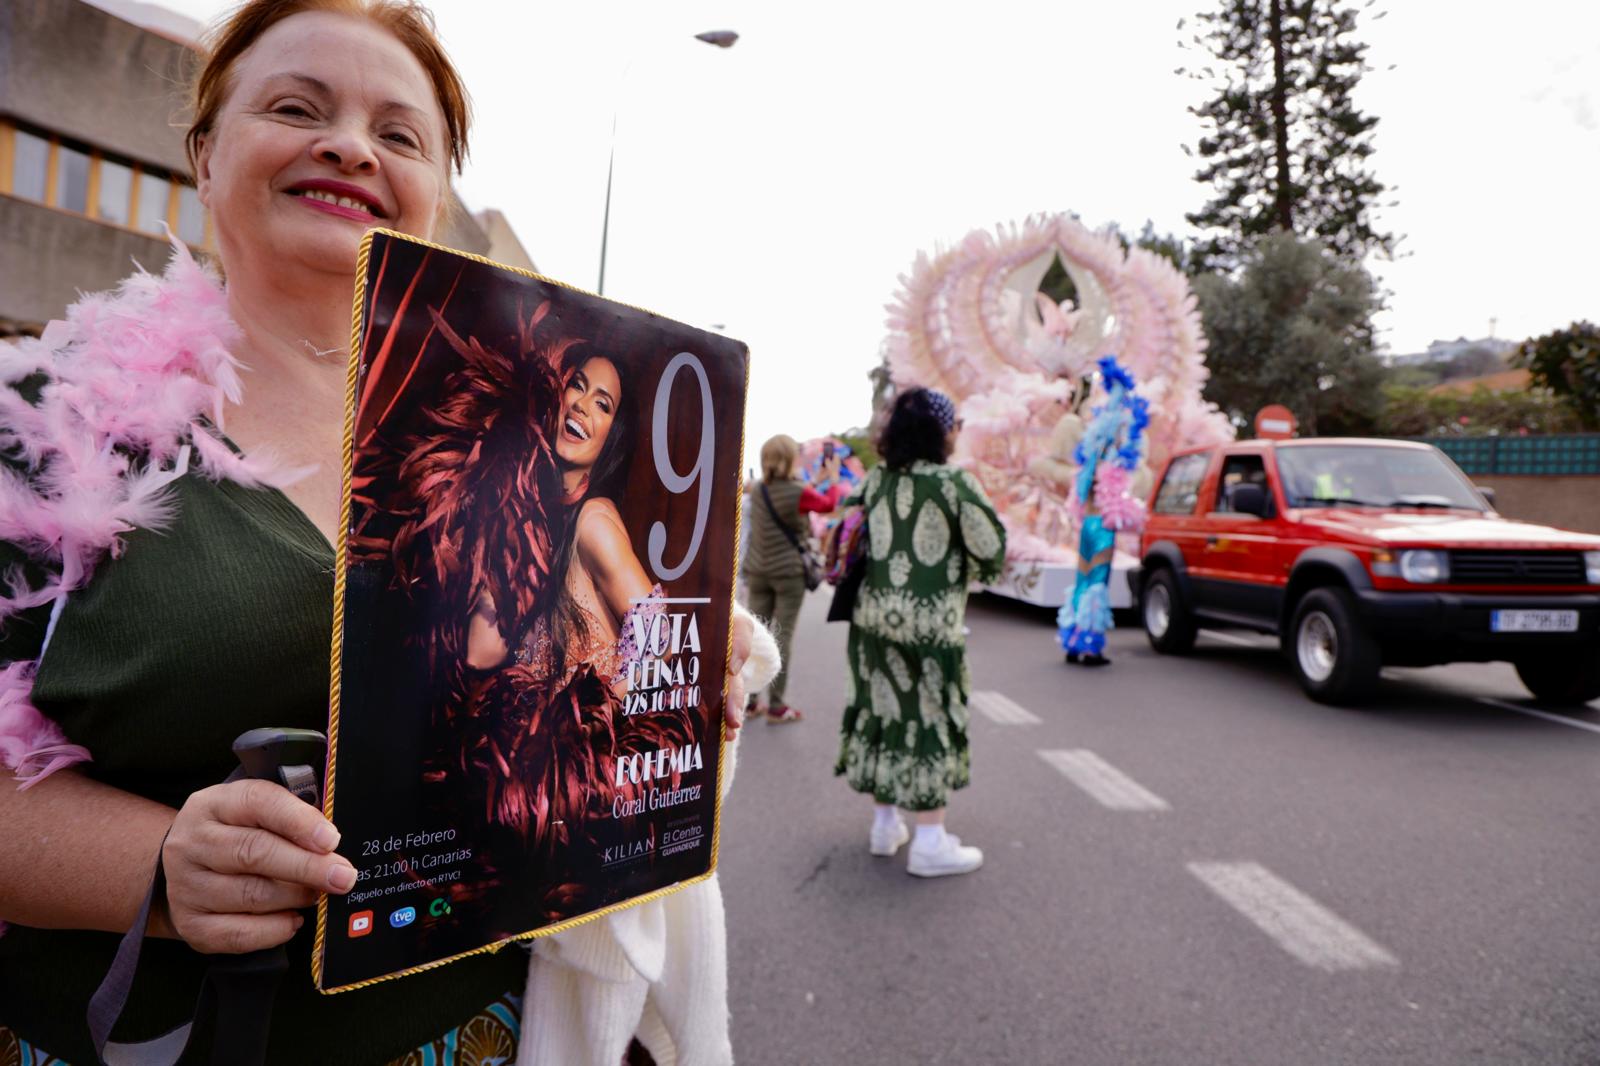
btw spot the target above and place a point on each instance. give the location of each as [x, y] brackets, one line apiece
[658, 971]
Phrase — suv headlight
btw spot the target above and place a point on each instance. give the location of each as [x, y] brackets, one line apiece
[1423, 567]
[1591, 566]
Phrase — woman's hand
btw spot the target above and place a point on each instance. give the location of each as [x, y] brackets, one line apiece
[241, 860]
[733, 706]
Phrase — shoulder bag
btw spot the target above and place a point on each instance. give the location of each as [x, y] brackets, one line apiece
[847, 562]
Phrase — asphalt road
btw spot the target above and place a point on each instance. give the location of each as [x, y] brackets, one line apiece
[1206, 868]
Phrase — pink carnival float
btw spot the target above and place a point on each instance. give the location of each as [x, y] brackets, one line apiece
[971, 321]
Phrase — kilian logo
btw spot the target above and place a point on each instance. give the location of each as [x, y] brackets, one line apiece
[630, 852]
[663, 762]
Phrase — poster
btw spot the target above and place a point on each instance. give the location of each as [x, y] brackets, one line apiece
[533, 608]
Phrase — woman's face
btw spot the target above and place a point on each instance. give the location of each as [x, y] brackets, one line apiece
[331, 127]
[588, 408]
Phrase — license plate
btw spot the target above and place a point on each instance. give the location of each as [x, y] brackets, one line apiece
[1533, 621]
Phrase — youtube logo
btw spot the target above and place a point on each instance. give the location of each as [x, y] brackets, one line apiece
[361, 923]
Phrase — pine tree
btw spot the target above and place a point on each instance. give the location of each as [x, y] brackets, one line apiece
[1285, 147]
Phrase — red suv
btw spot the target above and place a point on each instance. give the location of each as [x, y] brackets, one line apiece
[1359, 553]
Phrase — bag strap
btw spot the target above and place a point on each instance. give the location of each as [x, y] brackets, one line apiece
[238, 990]
[106, 1005]
[773, 511]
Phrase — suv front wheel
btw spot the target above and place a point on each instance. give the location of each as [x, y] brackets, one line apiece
[1166, 621]
[1334, 656]
[1562, 682]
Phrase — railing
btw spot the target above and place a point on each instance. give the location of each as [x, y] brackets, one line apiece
[1553, 455]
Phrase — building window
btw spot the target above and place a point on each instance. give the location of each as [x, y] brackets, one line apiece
[30, 173]
[116, 192]
[154, 192]
[72, 180]
[191, 215]
[36, 166]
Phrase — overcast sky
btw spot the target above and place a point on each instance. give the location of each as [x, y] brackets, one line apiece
[780, 187]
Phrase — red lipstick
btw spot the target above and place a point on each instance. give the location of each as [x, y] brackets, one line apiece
[370, 210]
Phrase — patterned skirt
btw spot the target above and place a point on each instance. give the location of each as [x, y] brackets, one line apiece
[489, 1039]
[904, 735]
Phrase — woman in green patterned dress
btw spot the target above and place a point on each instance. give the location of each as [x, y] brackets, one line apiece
[931, 531]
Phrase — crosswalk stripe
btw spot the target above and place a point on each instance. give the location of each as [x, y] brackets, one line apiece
[1260, 643]
[1556, 718]
[1103, 782]
[1299, 924]
[997, 707]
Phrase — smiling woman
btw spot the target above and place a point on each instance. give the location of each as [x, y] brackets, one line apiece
[173, 585]
[314, 121]
[300, 157]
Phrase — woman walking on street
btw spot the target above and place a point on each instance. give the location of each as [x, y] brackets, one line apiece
[931, 531]
[774, 568]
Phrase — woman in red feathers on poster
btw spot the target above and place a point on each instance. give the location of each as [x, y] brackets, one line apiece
[513, 518]
[505, 494]
[599, 579]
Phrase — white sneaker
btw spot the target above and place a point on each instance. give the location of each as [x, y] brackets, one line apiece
[889, 841]
[950, 857]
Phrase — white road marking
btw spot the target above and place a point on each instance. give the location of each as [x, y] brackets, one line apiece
[1259, 642]
[1300, 925]
[997, 707]
[1102, 781]
[1556, 718]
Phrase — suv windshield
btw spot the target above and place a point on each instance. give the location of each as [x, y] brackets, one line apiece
[1355, 475]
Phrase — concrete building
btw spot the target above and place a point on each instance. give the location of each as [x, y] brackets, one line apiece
[1445, 351]
[92, 163]
[504, 247]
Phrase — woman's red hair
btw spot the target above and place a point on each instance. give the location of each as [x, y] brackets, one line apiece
[410, 22]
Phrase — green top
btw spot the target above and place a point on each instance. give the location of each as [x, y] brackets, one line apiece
[771, 554]
[218, 625]
[930, 531]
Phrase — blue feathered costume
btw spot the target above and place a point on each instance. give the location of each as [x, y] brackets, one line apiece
[1111, 448]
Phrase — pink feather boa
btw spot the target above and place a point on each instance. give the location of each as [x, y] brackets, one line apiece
[135, 379]
[1119, 509]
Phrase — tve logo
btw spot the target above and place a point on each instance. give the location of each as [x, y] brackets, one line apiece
[403, 917]
[361, 923]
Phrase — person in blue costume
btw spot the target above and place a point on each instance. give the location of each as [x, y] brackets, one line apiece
[1086, 617]
[1111, 448]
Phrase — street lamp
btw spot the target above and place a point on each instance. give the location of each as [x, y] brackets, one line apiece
[719, 38]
